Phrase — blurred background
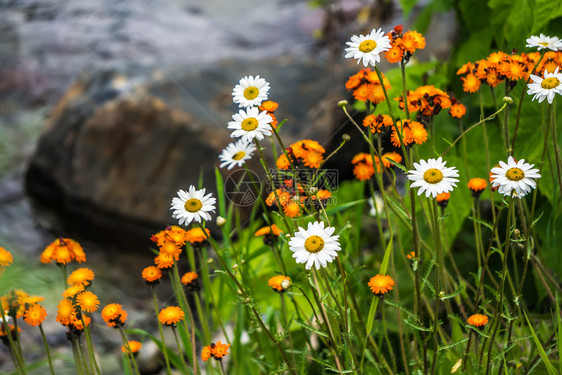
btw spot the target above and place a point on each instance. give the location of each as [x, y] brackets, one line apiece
[107, 108]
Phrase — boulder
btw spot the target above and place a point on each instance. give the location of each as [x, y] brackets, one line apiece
[115, 151]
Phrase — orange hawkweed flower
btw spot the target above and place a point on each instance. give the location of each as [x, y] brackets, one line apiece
[270, 229]
[196, 235]
[172, 233]
[77, 324]
[457, 110]
[63, 251]
[73, 290]
[443, 199]
[34, 315]
[283, 196]
[283, 162]
[419, 134]
[394, 54]
[477, 186]
[66, 312]
[81, 276]
[5, 258]
[189, 279]
[171, 315]
[216, 350]
[164, 261]
[206, 353]
[477, 320]
[152, 275]
[280, 283]
[114, 315]
[411, 255]
[470, 83]
[170, 249]
[88, 301]
[363, 171]
[394, 156]
[133, 347]
[292, 209]
[381, 284]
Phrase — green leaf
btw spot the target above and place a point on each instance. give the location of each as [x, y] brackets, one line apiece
[549, 367]
[407, 6]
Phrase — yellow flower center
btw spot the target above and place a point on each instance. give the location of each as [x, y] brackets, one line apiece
[367, 46]
[433, 176]
[550, 83]
[239, 155]
[193, 205]
[251, 93]
[314, 244]
[515, 174]
[545, 44]
[250, 124]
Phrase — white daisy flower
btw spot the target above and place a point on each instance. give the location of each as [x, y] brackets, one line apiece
[250, 91]
[192, 205]
[250, 124]
[367, 48]
[315, 245]
[433, 177]
[543, 41]
[517, 177]
[547, 87]
[236, 154]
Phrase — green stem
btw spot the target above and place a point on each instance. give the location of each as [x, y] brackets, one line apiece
[130, 357]
[44, 338]
[164, 348]
[245, 295]
[90, 347]
[180, 351]
[499, 303]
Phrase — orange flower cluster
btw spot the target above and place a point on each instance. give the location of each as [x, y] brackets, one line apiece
[364, 167]
[500, 66]
[216, 350]
[403, 46]
[68, 315]
[304, 153]
[63, 251]
[270, 106]
[279, 283]
[377, 123]
[113, 315]
[426, 100]
[366, 86]
[5, 258]
[294, 201]
[15, 301]
[411, 132]
[170, 241]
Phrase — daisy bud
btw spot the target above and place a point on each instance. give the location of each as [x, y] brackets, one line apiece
[342, 103]
[508, 100]
[221, 221]
[210, 260]
[345, 137]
